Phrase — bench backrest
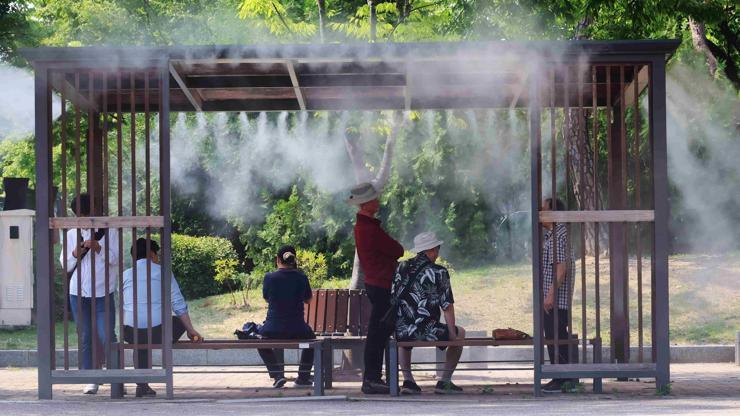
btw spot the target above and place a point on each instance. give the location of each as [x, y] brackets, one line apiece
[338, 311]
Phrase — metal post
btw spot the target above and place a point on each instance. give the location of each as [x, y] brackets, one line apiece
[164, 175]
[535, 138]
[318, 368]
[393, 368]
[660, 236]
[43, 234]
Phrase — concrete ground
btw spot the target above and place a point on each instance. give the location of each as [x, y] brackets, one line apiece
[696, 389]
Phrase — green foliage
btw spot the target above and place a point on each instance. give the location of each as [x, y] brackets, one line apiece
[314, 266]
[197, 261]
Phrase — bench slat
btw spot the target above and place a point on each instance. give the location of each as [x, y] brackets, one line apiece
[312, 312]
[354, 312]
[331, 311]
[321, 313]
[341, 311]
[365, 310]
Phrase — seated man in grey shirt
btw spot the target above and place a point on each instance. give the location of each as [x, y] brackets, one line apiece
[180, 322]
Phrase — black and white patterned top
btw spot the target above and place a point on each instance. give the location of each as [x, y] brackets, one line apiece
[421, 304]
[564, 253]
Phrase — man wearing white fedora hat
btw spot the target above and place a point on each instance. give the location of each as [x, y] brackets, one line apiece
[422, 291]
[379, 254]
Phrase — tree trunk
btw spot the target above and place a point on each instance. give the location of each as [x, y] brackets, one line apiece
[373, 20]
[698, 37]
[322, 15]
[581, 163]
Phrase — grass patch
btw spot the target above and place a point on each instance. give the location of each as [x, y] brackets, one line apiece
[703, 288]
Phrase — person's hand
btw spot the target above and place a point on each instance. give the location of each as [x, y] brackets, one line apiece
[195, 336]
[549, 300]
[92, 245]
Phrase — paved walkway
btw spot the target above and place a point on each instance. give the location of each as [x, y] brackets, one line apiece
[696, 389]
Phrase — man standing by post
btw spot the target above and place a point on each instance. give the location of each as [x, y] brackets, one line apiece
[379, 254]
[557, 274]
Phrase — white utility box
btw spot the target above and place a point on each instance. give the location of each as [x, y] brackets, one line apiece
[16, 267]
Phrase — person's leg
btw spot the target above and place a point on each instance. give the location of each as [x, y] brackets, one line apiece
[304, 369]
[563, 335]
[452, 356]
[548, 323]
[268, 356]
[377, 335]
[84, 326]
[178, 328]
[404, 360]
[100, 325]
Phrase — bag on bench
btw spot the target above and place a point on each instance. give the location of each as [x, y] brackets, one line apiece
[250, 330]
[509, 334]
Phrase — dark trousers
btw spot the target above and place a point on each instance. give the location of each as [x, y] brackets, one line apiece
[274, 358]
[141, 358]
[377, 334]
[563, 335]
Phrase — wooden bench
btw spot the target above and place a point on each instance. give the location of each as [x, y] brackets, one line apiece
[340, 317]
[394, 345]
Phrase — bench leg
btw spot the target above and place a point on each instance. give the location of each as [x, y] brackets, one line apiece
[328, 364]
[116, 361]
[597, 386]
[318, 368]
[393, 370]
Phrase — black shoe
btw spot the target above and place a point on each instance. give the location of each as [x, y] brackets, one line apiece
[279, 382]
[554, 386]
[144, 390]
[302, 383]
[375, 387]
[447, 387]
[409, 387]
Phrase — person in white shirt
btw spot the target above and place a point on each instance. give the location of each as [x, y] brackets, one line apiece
[87, 261]
[139, 322]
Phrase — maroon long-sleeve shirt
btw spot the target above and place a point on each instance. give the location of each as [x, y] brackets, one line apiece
[378, 252]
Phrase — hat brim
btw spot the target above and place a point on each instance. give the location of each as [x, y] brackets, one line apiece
[358, 200]
[428, 246]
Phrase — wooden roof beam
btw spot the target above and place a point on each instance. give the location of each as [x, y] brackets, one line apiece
[520, 88]
[60, 83]
[194, 100]
[296, 85]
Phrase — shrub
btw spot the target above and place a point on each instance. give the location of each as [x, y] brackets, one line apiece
[313, 265]
[196, 261]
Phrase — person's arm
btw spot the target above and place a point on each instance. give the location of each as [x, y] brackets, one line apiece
[266, 289]
[388, 246]
[180, 309]
[561, 272]
[72, 247]
[447, 301]
[307, 293]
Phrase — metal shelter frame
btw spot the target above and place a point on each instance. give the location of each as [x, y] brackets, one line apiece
[609, 93]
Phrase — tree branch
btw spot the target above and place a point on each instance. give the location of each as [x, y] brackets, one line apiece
[282, 19]
[731, 69]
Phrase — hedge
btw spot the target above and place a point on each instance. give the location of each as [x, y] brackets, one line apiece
[194, 263]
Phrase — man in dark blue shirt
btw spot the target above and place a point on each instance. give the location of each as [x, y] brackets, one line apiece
[286, 290]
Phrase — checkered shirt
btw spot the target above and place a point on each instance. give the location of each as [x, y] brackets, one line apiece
[564, 253]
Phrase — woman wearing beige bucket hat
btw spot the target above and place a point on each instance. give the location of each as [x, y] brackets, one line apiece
[379, 254]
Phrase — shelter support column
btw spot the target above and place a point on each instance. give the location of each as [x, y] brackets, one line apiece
[660, 236]
[535, 143]
[44, 276]
[618, 254]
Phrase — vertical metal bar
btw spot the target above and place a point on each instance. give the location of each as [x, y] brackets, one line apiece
[119, 192]
[318, 368]
[78, 186]
[554, 288]
[147, 196]
[91, 122]
[104, 173]
[132, 115]
[164, 155]
[660, 236]
[638, 205]
[582, 192]
[535, 139]
[43, 233]
[63, 213]
[393, 370]
[597, 288]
